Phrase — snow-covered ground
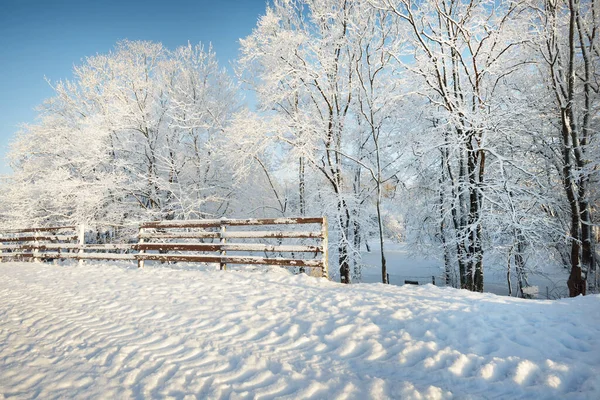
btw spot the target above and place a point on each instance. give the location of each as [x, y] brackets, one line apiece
[113, 331]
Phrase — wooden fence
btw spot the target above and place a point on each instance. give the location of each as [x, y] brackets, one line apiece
[221, 241]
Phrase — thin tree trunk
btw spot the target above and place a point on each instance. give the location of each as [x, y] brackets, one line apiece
[343, 250]
[301, 186]
[384, 275]
[508, 273]
[442, 227]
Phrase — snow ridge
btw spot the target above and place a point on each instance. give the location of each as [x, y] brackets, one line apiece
[111, 331]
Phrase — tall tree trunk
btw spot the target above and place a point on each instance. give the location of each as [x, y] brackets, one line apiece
[384, 275]
[442, 227]
[357, 235]
[301, 186]
[473, 226]
[343, 244]
[587, 251]
[478, 277]
[464, 253]
[562, 63]
[575, 283]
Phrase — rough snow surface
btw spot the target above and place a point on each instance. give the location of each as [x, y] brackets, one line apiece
[107, 331]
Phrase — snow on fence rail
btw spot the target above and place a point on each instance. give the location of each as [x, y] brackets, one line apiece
[193, 240]
[35, 243]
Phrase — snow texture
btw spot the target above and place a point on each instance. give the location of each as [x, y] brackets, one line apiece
[113, 331]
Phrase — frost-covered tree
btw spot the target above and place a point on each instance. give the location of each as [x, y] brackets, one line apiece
[130, 137]
[461, 54]
[301, 66]
[569, 44]
[324, 69]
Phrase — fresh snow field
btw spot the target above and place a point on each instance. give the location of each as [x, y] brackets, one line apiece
[113, 331]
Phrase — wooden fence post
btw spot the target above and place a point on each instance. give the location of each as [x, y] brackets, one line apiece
[222, 265]
[325, 243]
[35, 248]
[140, 241]
[81, 242]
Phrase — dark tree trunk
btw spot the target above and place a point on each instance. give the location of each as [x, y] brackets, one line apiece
[575, 283]
[447, 262]
[343, 248]
[301, 186]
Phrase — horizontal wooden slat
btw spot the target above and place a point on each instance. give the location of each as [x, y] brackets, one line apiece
[104, 256]
[39, 229]
[173, 257]
[179, 235]
[234, 235]
[69, 246]
[38, 238]
[271, 248]
[84, 256]
[45, 246]
[29, 254]
[232, 260]
[227, 247]
[178, 246]
[108, 246]
[207, 223]
[272, 235]
[271, 261]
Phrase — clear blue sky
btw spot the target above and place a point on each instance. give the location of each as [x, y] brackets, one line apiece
[48, 37]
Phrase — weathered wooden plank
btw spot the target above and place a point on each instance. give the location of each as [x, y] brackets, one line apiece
[108, 246]
[272, 248]
[24, 254]
[66, 246]
[235, 235]
[273, 261]
[38, 238]
[39, 229]
[179, 235]
[178, 246]
[41, 247]
[15, 254]
[227, 247]
[174, 257]
[105, 256]
[207, 223]
[84, 256]
[273, 221]
[272, 235]
[232, 260]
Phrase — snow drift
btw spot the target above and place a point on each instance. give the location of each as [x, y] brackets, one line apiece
[112, 331]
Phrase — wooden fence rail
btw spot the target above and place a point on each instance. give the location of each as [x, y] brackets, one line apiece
[221, 241]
